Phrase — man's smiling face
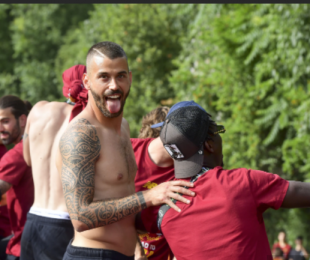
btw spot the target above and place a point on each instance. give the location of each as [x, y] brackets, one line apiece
[109, 82]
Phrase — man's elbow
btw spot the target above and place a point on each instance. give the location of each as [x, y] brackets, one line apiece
[79, 226]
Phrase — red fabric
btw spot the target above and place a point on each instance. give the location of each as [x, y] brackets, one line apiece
[73, 87]
[224, 220]
[286, 250]
[14, 170]
[5, 227]
[148, 176]
[3, 150]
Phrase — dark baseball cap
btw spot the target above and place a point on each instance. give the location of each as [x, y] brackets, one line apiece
[183, 134]
[175, 107]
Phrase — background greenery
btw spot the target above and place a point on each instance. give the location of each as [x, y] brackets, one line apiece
[247, 64]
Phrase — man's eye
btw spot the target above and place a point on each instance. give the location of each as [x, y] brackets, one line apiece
[121, 76]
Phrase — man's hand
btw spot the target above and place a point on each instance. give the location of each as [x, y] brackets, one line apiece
[163, 193]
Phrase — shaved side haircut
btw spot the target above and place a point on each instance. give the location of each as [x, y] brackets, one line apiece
[107, 49]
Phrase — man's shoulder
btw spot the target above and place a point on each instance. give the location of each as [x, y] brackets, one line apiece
[139, 142]
[230, 172]
[79, 126]
[47, 110]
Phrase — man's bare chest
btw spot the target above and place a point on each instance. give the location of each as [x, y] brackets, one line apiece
[116, 164]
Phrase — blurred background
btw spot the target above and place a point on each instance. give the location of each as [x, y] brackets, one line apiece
[246, 64]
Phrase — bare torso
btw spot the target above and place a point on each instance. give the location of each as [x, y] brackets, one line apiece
[115, 171]
[47, 122]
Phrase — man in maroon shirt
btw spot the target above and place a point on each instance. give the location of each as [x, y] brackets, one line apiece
[224, 220]
[15, 176]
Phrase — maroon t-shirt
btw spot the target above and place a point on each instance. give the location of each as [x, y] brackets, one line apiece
[148, 176]
[224, 220]
[5, 227]
[14, 170]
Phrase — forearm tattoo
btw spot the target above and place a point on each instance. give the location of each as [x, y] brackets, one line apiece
[80, 148]
[25, 136]
[141, 200]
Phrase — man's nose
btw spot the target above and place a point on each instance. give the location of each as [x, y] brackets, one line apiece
[113, 84]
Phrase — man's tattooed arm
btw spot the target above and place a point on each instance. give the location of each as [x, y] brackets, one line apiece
[80, 148]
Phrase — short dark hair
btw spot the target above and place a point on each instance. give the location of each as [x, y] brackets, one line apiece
[18, 106]
[106, 48]
[210, 132]
[299, 238]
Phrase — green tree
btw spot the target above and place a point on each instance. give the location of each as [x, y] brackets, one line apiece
[150, 34]
[7, 79]
[32, 35]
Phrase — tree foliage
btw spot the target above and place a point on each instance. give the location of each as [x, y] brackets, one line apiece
[32, 36]
[248, 65]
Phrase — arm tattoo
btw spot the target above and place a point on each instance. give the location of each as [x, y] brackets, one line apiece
[25, 136]
[80, 149]
[141, 200]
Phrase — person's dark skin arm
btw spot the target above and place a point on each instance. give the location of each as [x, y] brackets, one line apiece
[297, 195]
[4, 187]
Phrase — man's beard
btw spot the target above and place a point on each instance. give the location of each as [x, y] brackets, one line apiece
[100, 102]
[13, 136]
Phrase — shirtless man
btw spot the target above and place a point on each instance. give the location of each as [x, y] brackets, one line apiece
[48, 228]
[97, 165]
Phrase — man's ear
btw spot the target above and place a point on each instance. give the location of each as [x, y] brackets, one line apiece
[22, 120]
[209, 146]
[86, 81]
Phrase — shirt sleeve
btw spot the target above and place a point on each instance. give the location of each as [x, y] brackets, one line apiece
[267, 189]
[12, 167]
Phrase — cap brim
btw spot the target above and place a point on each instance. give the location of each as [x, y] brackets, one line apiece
[189, 167]
[157, 125]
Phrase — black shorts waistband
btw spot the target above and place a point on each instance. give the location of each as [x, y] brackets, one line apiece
[96, 252]
[49, 221]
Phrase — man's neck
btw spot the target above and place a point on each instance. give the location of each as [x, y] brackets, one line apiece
[19, 138]
[158, 153]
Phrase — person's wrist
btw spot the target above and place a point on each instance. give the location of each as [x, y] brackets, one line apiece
[147, 197]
